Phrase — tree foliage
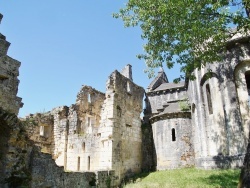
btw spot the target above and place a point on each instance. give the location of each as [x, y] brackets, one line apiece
[189, 32]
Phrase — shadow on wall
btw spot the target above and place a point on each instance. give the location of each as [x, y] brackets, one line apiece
[224, 160]
[148, 149]
[4, 137]
[234, 56]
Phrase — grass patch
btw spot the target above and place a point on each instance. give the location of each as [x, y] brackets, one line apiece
[187, 178]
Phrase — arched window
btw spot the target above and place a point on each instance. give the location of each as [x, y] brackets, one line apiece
[173, 135]
[209, 99]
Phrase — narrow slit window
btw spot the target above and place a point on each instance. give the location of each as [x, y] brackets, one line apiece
[78, 163]
[88, 162]
[89, 121]
[173, 135]
[89, 98]
[83, 146]
[128, 87]
[119, 111]
[209, 99]
[78, 126]
[193, 108]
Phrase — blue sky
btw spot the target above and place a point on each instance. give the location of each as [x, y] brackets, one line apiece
[63, 45]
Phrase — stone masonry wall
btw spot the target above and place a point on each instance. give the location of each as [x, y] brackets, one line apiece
[221, 131]
[75, 131]
[15, 150]
[126, 125]
[173, 153]
[9, 71]
[22, 163]
[39, 128]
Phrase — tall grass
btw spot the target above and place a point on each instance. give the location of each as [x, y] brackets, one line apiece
[187, 178]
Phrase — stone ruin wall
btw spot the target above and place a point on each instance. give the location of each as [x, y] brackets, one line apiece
[96, 133]
[83, 138]
[125, 123]
[22, 164]
[39, 128]
[72, 132]
[9, 71]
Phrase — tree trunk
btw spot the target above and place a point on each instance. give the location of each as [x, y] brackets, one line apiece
[247, 7]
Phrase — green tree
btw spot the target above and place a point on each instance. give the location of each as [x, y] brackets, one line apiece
[189, 32]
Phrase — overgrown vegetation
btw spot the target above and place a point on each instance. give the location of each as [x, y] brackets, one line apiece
[184, 105]
[190, 33]
[187, 178]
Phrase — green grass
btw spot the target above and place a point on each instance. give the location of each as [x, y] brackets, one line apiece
[187, 178]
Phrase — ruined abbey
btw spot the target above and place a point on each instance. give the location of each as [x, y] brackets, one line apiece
[101, 140]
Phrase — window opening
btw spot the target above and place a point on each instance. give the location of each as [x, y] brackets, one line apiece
[209, 99]
[78, 126]
[3, 80]
[89, 121]
[119, 111]
[89, 98]
[88, 162]
[41, 130]
[247, 76]
[193, 108]
[83, 146]
[78, 164]
[173, 135]
[128, 87]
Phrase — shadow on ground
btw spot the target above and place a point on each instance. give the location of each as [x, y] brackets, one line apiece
[223, 180]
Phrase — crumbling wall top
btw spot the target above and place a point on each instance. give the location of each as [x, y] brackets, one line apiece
[9, 71]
